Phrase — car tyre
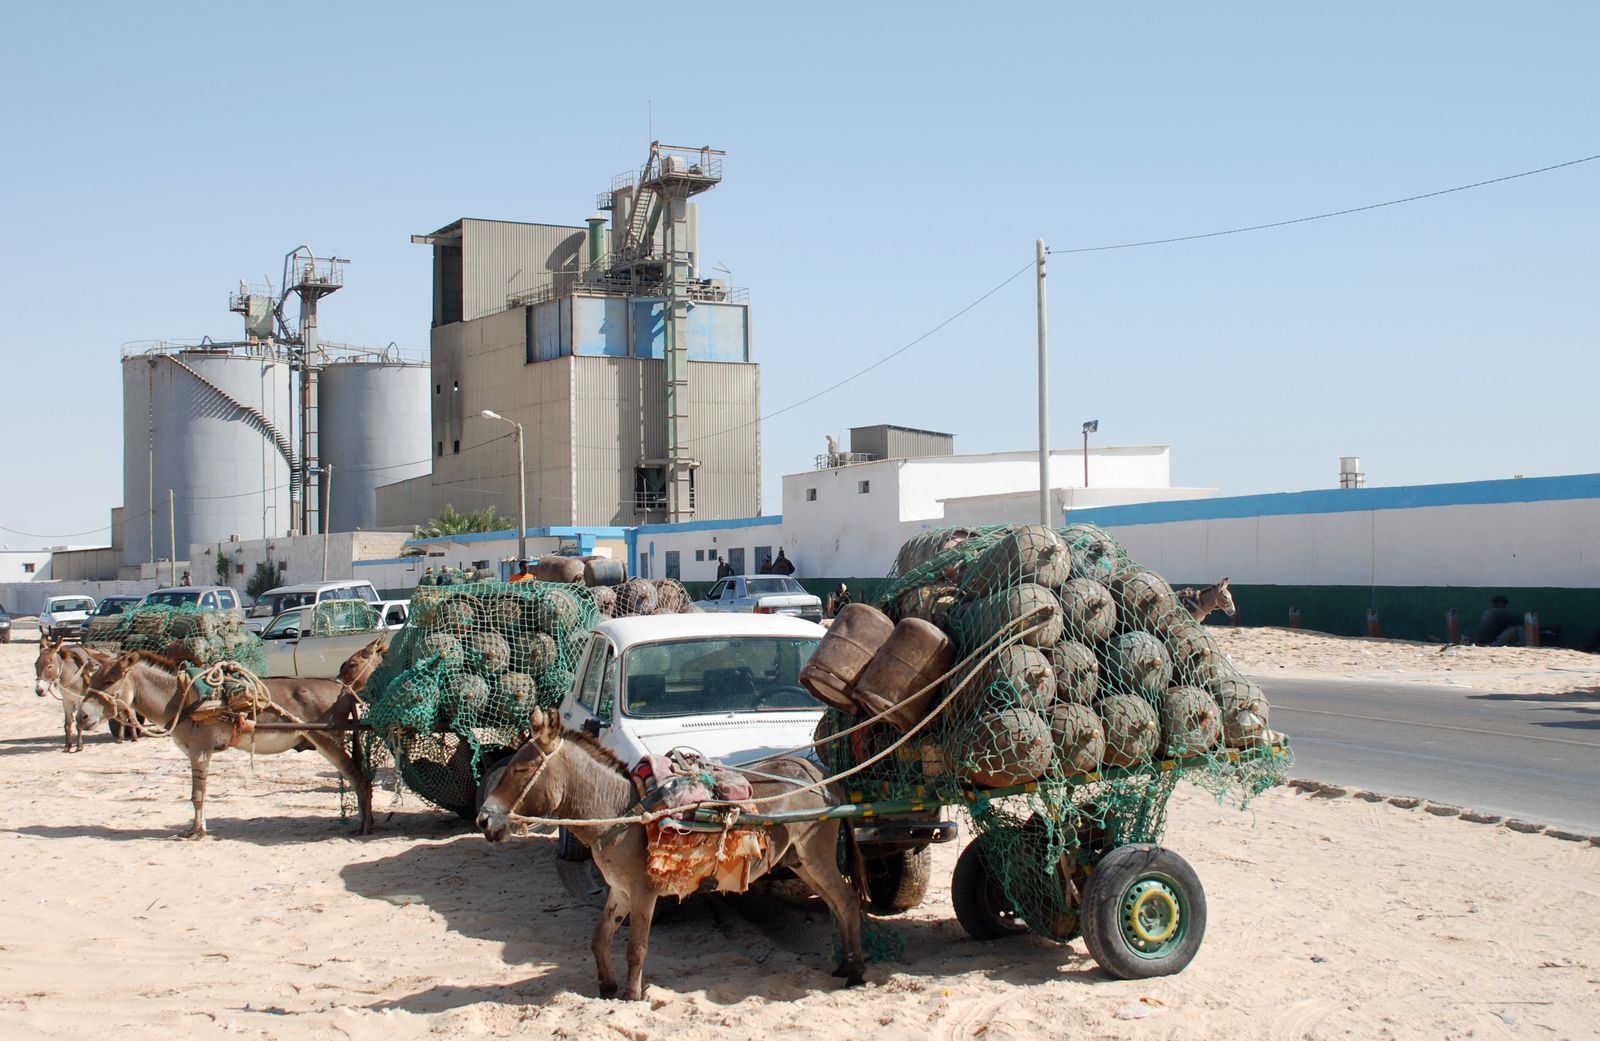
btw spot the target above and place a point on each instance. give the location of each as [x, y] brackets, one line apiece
[899, 881]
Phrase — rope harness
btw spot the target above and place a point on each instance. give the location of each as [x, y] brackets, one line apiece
[722, 807]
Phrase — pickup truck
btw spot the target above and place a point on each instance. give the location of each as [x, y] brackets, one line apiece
[728, 687]
[762, 594]
[291, 650]
[65, 616]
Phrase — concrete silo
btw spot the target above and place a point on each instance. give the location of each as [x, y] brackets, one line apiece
[374, 419]
[212, 424]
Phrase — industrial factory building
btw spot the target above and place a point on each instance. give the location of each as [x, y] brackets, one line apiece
[276, 434]
[629, 375]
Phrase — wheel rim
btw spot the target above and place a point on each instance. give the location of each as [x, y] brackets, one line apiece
[1154, 915]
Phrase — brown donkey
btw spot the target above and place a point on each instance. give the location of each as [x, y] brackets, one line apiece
[1202, 602]
[64, 670]
[147, 684]
[567, 775]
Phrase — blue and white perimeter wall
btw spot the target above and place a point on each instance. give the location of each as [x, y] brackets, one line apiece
[1410, 552]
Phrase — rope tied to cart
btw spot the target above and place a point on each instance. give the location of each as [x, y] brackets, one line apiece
[730, 812]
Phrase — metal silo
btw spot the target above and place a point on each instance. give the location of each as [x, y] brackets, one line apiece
[212, 424]
[374, 423]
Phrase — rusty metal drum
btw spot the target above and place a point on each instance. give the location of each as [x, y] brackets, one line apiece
[844, 654]
[915, 654]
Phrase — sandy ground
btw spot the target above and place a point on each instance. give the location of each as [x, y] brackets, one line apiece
[1267, 652]
[1329, 918]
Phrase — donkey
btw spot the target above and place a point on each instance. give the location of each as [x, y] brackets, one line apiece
[1202, 602]
[64, 669]
[147, 684]
[568, 775]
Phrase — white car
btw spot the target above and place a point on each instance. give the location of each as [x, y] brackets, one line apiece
[274, 602]
[291, 649]
[65, 616]
[762, 594]
[727, 686]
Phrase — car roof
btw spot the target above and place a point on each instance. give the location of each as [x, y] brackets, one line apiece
[625, 632]
[114, 597]
[69, 596]
[188, 589]
[316, 587]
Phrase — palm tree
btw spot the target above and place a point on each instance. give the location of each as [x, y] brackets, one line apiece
[450, 522]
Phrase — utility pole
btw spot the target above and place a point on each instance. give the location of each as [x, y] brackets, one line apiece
[327, 487]
[522, 487]
[1044, 395]
[172, 543]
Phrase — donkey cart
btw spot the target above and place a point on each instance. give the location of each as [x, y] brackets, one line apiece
[1098, 873]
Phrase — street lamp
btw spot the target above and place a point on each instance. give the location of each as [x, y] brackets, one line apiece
[522, 488]
[1089, 427]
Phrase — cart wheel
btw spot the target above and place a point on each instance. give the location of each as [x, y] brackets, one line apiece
[981, 908]
[1144, 912]
[899, 881]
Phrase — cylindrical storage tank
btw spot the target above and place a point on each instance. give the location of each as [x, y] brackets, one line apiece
[374, 428]
[212, 425]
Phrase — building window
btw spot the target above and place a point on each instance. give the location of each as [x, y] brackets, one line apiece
[437, 388]
[28, 569]
[672, 564]
[811, 495]
[438, 448]
[456, 446]
[863, 487]
[455, 385]
[644, 565]
[481, 565]
[700, 555]
[238, 568]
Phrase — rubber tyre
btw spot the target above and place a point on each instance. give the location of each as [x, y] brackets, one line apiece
[899, 881]
[979, 904]
[569, 849]
[1111, 926]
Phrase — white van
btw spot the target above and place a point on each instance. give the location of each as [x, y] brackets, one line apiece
[286, 598]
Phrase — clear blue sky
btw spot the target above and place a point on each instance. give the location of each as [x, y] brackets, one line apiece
[887, 165]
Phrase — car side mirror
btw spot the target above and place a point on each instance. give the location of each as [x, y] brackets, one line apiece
[591, 727]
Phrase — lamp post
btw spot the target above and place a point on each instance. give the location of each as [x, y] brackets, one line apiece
[1089, 427]
[522, 488]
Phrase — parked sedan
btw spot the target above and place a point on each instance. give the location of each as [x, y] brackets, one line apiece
[5, 625]
[763, 594]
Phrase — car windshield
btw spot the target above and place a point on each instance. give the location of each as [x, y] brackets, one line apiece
[75, 603]
[173, 597]
[697, 677]
[772, 586]
[112, 607]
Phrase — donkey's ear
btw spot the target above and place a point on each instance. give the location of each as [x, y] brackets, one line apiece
[547, 729]
[1224, 579]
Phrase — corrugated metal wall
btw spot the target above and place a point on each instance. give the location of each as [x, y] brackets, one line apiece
[891, 442]
[501, 259]
[619, 416]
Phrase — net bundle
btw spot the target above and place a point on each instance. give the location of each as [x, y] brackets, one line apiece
[1082, 689]
[459, 681]
[343, 617]
[181, 631]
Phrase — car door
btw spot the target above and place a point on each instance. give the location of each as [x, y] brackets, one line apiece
[586, 707]
[279, 640]
[713, 598]
[734, 597]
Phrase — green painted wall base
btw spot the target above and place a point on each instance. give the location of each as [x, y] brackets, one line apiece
[1404, 612]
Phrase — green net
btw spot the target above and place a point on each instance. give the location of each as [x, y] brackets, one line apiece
[459, 681]
[1084, 692]
[343, 618]
[181, 631]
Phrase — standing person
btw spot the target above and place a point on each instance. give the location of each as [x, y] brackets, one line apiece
[186, 580]
[837, 599]
[1498, 627]
[724, 569]
[523, 574]
[783, 565]
[766, 566]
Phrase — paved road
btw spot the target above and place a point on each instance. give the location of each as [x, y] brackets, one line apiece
[1535, 757]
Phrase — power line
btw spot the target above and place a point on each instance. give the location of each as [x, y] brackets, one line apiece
[886, 358]
[1325, 216]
